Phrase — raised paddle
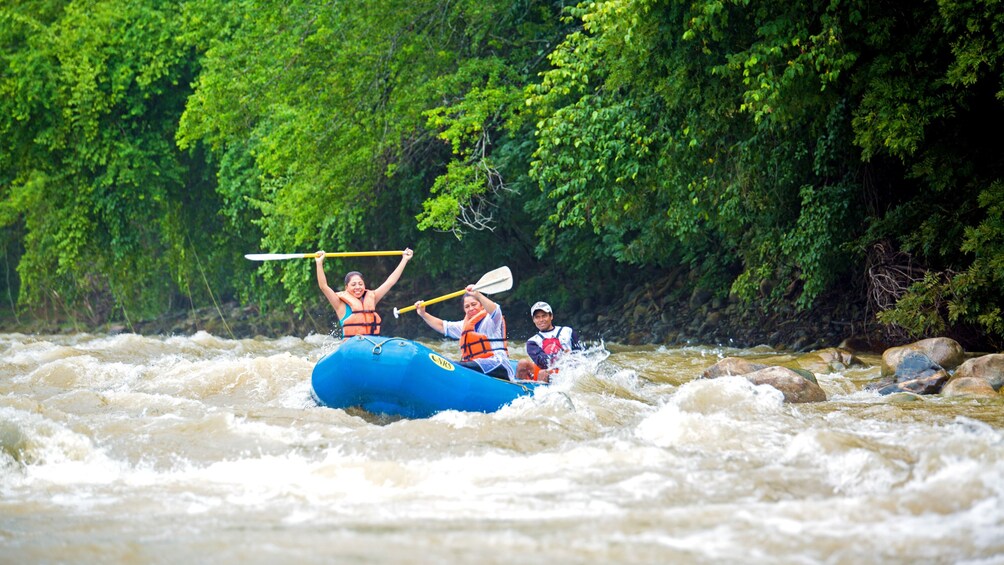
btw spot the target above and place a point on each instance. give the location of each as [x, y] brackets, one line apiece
[494, 281]
[279, 256]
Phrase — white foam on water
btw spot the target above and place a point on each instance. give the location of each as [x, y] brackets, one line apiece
[215, 444]
[259, 377]
[852, 464]
[265, 431]
[88, 372]
[53, 453]
[297, 396]
[724, 413]
[30, 353]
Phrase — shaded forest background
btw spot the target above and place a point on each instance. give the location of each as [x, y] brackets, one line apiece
[787, 160]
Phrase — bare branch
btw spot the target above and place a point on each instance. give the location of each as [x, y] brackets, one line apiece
[478, 214]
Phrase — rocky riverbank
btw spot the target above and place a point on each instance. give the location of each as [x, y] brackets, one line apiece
[646, 315]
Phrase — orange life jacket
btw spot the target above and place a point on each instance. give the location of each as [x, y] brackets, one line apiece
[542, 374]
[474, 345]
[364, 319]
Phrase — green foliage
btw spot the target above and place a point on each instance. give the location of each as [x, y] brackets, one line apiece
[972, 295]
[91, 93]
[344, 113]
[762, 145]
[814, 246]
[304, 100]
[919, 311]
[486, 99]
[930, 93]
[666, 128]
[760, 128]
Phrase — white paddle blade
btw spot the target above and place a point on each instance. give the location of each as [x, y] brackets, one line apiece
[498, 280]
[396, 314]
[277, 256]
[493, 281]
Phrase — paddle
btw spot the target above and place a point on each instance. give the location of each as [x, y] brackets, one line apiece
[494, 281]
[279, 256]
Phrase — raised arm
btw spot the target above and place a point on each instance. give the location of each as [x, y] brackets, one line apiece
[394, 276]
[327, 291]
[434, 322]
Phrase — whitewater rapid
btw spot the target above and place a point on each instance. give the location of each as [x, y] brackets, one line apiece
[133, 449]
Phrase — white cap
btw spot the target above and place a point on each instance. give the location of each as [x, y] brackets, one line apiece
[540, 306]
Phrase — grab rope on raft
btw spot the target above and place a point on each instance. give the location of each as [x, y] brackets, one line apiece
[378, 347]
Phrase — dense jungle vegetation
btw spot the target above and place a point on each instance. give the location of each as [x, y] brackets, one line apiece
[778, 151]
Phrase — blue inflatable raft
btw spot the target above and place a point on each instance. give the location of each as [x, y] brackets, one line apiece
[396, 376]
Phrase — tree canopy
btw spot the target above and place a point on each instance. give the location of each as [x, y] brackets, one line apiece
[781, 152]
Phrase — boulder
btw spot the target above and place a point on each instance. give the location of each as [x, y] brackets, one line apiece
[809, 375]
[731, 366]
[795, 387]
[968, 386]
[988, 368]
[929, 384]
[944, 351]
[916, 365]
[916, 373]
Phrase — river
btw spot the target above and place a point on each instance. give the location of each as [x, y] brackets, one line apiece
[199, 449]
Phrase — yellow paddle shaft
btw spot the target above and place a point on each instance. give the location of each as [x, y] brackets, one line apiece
[432, 301]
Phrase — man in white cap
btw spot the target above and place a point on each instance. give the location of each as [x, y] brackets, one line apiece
[549, 342]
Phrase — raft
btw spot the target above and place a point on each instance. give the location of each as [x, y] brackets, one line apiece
[399, 377]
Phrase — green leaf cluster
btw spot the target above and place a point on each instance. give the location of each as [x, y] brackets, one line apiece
[769, 148]
[90, 96]
[777, 142]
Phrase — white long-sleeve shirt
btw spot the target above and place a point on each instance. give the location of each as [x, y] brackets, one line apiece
[493, 326]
